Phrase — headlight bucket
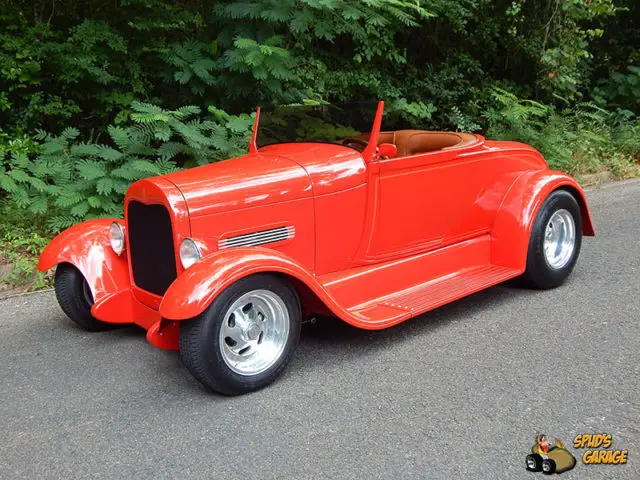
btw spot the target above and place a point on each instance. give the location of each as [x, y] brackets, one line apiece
[116, 238]
[189, 253]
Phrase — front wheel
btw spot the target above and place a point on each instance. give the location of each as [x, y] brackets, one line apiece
[554, 245]
[548, 466]
[246, 337]
[75, 298]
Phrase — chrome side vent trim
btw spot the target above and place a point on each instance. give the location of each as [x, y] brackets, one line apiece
[258, 238]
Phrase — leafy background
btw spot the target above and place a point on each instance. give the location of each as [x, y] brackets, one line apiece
[96, 94]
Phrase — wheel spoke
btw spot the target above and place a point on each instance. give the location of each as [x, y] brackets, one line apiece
[559, 239]
[254, 332]
[240, 348]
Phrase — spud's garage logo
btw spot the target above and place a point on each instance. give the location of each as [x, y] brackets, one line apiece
[598, 452]
[549, 458]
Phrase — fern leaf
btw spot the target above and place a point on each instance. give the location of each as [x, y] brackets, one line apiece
[19, 176]
[39, 205]
[21, 198]
[145, 166]
[94, 201]
[169, 150]
[81, 209]
[90, 169]
[60, 222]
[119, 136]
[162, 132]
[104, 186]
[6, 182]
[68, 199]
[70, 133]
[126, 172]
[38, 184]
[109, 154]
[240, 124]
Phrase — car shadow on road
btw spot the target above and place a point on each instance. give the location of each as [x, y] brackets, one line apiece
[329, 340]
[329, 336]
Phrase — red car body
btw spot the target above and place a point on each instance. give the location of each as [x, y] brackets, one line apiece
[371, 240]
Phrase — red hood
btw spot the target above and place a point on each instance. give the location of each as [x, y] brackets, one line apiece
[246, 181]
[277, 173]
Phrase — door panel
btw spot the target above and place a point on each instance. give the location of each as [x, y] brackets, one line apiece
[433, 199]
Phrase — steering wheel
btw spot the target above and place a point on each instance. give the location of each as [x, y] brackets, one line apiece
[354, 142]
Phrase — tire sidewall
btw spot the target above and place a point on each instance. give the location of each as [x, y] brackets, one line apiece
[69, 289]
[539, 270]
[552, 467]
[216, 374]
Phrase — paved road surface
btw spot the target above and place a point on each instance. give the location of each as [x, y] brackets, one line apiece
[457, 393]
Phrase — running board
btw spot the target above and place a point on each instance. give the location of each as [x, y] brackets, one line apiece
[397, 307]
[381, 295]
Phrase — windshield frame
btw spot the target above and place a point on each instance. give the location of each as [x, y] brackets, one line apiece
[292, 118]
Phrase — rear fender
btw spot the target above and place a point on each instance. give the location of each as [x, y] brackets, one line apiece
[516, 215]
[194, 290]
[86, 246]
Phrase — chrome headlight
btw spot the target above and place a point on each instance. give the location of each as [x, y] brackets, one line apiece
[189, 253]
[116, 237]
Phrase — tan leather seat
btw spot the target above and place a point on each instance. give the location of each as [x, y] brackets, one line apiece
[412, 142]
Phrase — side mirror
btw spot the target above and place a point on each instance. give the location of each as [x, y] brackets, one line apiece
[387, 150]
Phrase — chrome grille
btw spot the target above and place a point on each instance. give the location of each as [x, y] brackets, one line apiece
[151, 253]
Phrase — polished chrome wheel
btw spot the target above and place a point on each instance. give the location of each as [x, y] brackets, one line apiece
[254, 332]
[559, 239]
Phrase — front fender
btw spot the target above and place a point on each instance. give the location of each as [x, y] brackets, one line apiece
[194, 290]
[514, 219]
[86, 246]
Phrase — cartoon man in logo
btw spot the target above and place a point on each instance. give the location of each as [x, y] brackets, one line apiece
[549, 458]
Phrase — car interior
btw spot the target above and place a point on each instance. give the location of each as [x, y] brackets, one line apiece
[412, 142]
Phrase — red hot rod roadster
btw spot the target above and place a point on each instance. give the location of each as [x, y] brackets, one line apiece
[222, 262]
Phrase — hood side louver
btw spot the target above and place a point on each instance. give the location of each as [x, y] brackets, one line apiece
[258, 238]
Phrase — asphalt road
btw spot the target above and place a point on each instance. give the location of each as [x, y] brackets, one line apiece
[457, 393]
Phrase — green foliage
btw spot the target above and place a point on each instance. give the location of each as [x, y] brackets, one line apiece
[20, 246]
[93, 93]
[193, 65]
[83, 64]
[67, 180]
[620, 89]
[584, 139]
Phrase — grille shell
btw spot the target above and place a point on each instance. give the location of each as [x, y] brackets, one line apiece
[151, 249]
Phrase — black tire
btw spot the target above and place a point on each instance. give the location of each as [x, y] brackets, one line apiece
[200, 346]
[539, 273]
[534, 462]
[75, 299]
[548, 466]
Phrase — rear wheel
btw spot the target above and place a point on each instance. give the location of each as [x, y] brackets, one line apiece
[534, 462]
[75, 298]
[554, 245]
[246, 337]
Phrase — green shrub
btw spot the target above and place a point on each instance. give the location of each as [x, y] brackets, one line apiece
[621, 89]
[582, 139]
[67, 180]
[21, 242]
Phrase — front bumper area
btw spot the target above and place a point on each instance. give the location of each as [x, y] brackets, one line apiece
[123, 307]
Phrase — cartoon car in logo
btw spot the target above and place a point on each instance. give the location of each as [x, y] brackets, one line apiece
[224, 261]
[549, 458]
